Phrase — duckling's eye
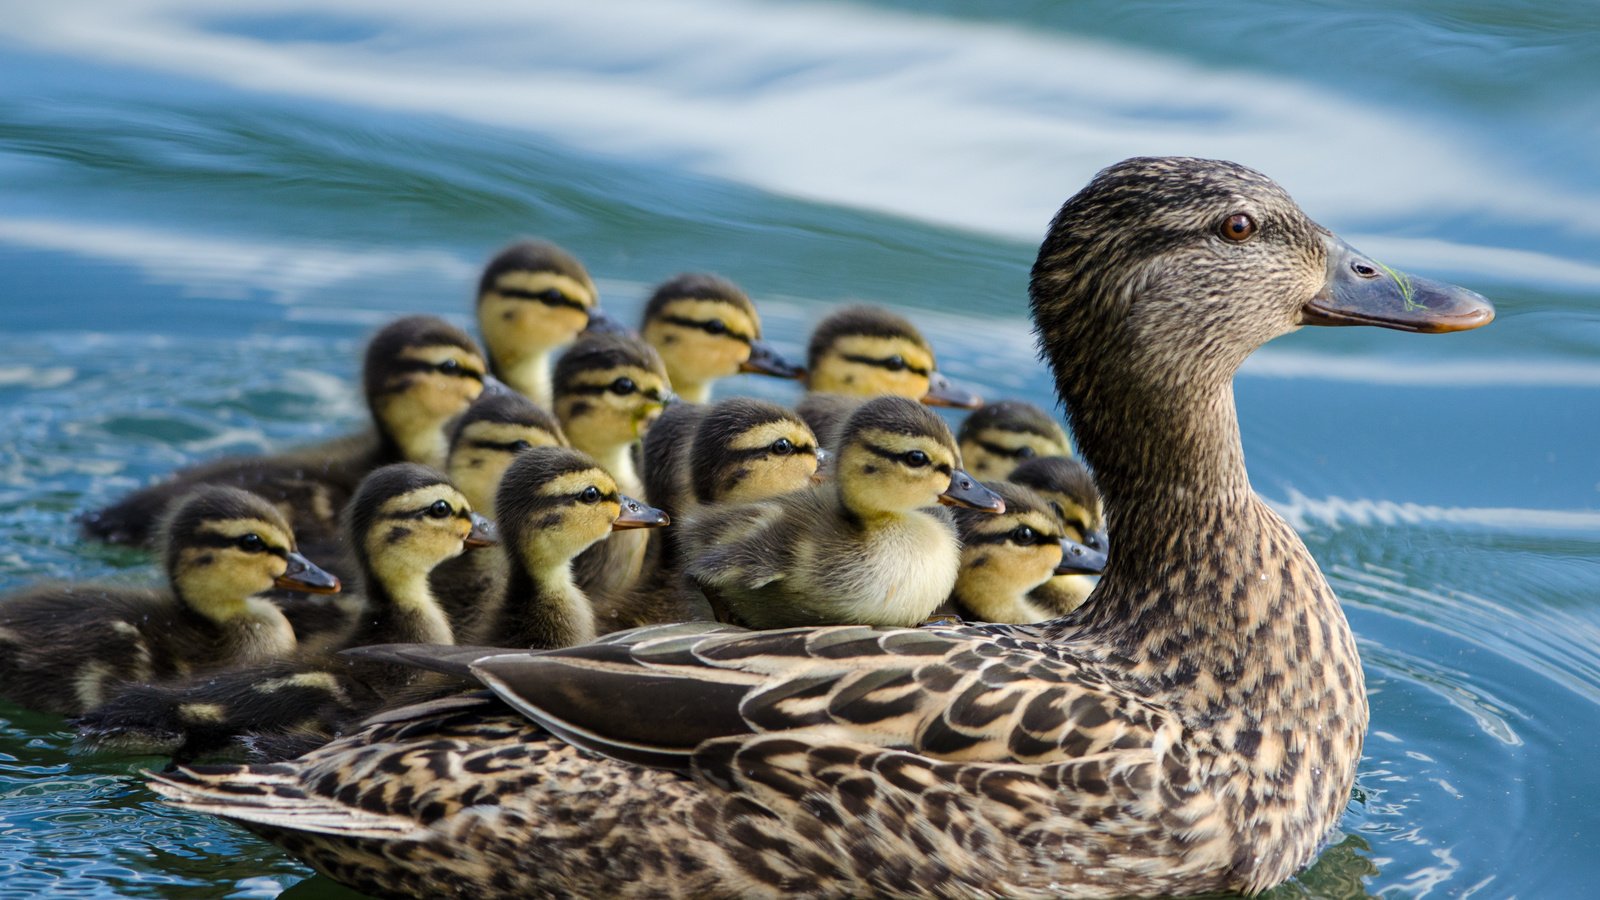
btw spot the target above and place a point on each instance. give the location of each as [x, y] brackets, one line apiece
[590, 494]
[554, 296]
[782, 447]
[1024, 453]
[623, 386]
[441, 509]
[449, 367]
[519, 446]
[716, 326]
[1024, 535]
[895, 363]
[1238, 227]
[916, 459]
[252, 543]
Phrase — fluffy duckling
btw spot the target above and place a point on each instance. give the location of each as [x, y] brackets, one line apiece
[533, 299]
[1069, 489]
[419, 372]
[1005, 557]
[862, 549]
[64, 648]
[706, 328]
[1001, 436]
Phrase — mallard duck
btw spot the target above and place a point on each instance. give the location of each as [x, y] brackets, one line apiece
[998, 437]
[1194, 728]
[706, 328]
[1069, 489]
[65, 647]
[419, 373]
[533, 299]
[404, 520]
[1005, 557]
[862, 548]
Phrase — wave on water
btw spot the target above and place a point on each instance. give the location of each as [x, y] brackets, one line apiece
[1304, 512]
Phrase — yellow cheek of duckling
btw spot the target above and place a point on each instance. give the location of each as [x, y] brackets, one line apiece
[1008, 568]
[771, 476]
[1074, 512]
[693, 356]
[834, 374]
[995, 466]
[218, 579]
[514, 326]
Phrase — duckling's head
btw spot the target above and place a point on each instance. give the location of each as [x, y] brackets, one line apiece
[1001, 436]
[420, 372]
[706, 328]
[485, 438]
[1004, 556]
[895, 455]
[867, 351]
[533, 297]
[1068, 488]
[405, 519]
[554, 502]
[608, 389]
[222, 545]
[746, 449]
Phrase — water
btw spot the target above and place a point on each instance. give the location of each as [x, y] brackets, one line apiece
[204, 208]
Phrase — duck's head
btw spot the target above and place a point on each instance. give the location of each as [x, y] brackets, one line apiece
[554, 502]
[533, 298]
[405, 519]
[706, 328]
[1001, 436]
[485, 438]
[1005, 556]
[896, 455]
[420, 372]
[222, 545]
[1068, 488]
[609, 388]
[746, 449]
[1158, 278]
[867, 351]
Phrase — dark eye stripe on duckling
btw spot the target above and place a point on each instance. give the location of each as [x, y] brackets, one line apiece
[1022, 452]
[900, 457]
[616, 387]
[445, 367]
[215, 540]
[1037, 537]
[516, 446]
[796, 448]
[549, 297]
[891, 363]
[713, 327]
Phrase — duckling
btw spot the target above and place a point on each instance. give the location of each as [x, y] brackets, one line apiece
[1001, 436]
[533, 299]
[1004, 557]
[706, 328]
[64, 647]
[859, 550]
[867, 351]
[419, 373]
[404, 520]
[1193, 729]
[1068, 488]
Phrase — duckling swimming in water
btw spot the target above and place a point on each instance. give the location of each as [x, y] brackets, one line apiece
[862, 549]
[1194, 728]
[533, 299]
[998, 437]
[1069, 489]
[419, 373]
[706, 328]
[65, 647]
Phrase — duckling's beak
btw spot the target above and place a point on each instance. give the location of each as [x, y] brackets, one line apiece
[944, 392]
[766, 360]
[1077, 559]
[304, 575]
[967, 491]
[1097, 540]
[493, 386]
[602, 322]
[668, 398]
[639, 515]
[483, 533]
[1362, 291]
[821, 474]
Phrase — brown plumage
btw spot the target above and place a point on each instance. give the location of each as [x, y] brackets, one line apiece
[1195, 727]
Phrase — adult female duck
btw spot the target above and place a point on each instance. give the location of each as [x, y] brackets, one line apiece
[1194, 727]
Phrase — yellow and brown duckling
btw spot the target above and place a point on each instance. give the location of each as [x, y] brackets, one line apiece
[1194, 729]
[65, 647]
[419, 373]
[533, 299]
[1001, 436]
[706, 328]
[863, 548]
[1068, 488]
[1007, 556]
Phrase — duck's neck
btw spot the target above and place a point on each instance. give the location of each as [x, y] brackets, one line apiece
[528, 375]
[616, 459]
[255, 628]
[401, 609]
[692, 391]
[544, 609]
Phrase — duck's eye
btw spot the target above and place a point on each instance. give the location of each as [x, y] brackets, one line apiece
[252, 543]
[590, 494]
[716, 326]
[916, 459]
[554, 295]
[623, 386]
[449, 367]
[1238, 227]
[895, 363]
[441, 509]
[1024, 535]
[781, 447]
[1024, 453]
[519, 446]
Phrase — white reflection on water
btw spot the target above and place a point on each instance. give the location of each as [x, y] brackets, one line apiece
[980, 126]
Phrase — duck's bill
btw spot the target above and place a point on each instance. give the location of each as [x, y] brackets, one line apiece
[305, 575]
[639, 515]
[483, 533]
[1078, 559]
[602, 322]
[1363, 291]
[967, 491]
[766, 360]
[493, 386]
[944, 392]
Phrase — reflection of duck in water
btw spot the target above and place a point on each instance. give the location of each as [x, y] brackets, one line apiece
[1194, 727]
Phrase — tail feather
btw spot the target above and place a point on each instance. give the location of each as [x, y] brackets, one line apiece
[271, 796]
